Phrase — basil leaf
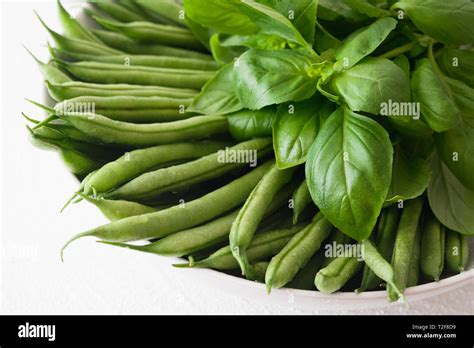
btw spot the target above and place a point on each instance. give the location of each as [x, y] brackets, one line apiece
[370, 83]
[364, 7]
[437, 105]
[410, 126]
[221, 16]
[456, 146]
[363, 42]
[272, 77]
[446, 21]
[349, 170]
[270, 21]
[262, 41]
[451, 202]
[404, 64]
[410, 176]
[301, 13]
[458, 64]
[223, 54]
[326, 41]
[217, 96]
[295, 127]
[332, 10]
[247, 124]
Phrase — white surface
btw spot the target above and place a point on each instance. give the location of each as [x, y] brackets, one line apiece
[100, 279]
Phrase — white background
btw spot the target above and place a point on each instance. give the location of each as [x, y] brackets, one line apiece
[96, 278]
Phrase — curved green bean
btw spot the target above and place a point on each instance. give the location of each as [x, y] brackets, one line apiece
[251, 213]
[335, 275]
[173, 178]
[50, 72]
[262, 247]
[432, 248]
[119, 209]
[457, 251]
[296, 254]
[177, 218]
[148, 32]
[404, 242]
[385, 240]
[78, 163]
[130, 109]
[301, 199]
[122, 42]
[138, 60]
[72, 89]
[140, 161]
[116, 132]
[137, 75]
[379, 265]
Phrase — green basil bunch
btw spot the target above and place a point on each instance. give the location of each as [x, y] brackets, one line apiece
[374, 97]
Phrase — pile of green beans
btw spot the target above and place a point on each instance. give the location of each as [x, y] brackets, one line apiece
[160, 175]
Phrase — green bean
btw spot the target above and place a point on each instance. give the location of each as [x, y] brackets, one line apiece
[203, 237]
[122, 42]
[167, 9]
[78, 45]
[335, 275]
[130, 109]
[457, 251]
[413, 276]
[136, 75]
[73, 28]
[178, 218]
[337, 238]
[432, 248]
[50, 72]
[73, 89]
[140, 60]
[117, 132]
[148, 32]
[118, 11]
[56, 139]
[116, 210]
[251, 214]
[296, 254]
[379, 265]
[384, 239]
[304, 279]
[301, 199]
[260, 268]
[151, 184]
[78, 163]
[262, 247]
[403, 248]
[140, 161]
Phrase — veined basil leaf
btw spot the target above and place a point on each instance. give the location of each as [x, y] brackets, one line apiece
[272, 77]
[458, 64]
[349, 170]
[262, 41]
[451, 202]
[271, 21]
[369, 84]
[221, 16]
[410, 176]
[404, 64]
[456, 146]
[248, 124]
[295, 127]
[437, 105]
[332, 10]
[446, 21]
[301, 13]
[363, 42]
[217, 96]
